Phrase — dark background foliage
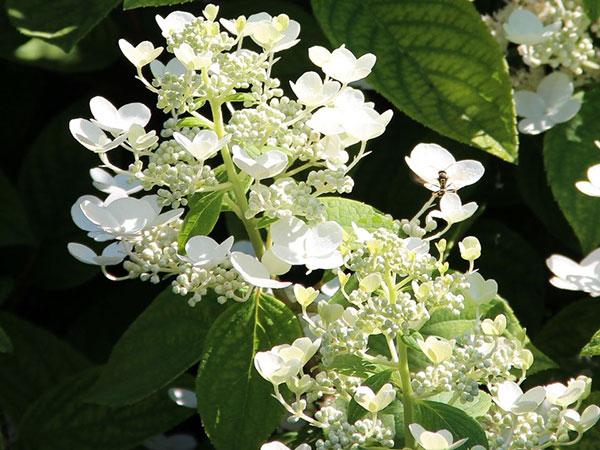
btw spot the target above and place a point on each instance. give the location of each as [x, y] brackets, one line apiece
[44, 171]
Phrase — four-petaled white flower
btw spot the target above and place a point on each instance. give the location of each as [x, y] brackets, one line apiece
[341, 64]
[203, 146]
[255, 272]
[118, 121]
[592, 186]
[524, 27]
[439, 440]
[274, 34]
[119, 217]
[351, 117]
[205, 252]
[560, 395]
[366, 398]
[552, 103]
[316, 248]
[437, 349]
[173, 67]
[267, 165]
[174, 22]
[311, 91]
[511, 398]
[494, 327]
[92, 137]
[192, 60]
[141, 54]
[480, 290]
[333, 152]
[581, 423]
[438, 169]
[452, 210]
[111, 255]
[121, 183]
[139, 140]
[284, 362]
[583, 276]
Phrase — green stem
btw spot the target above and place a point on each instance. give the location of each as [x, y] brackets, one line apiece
[238, 189]
[407, 392]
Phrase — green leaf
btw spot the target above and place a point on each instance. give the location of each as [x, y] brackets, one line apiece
[436, 61]
[240, 97]
[48, 193]
[90, 54]
[592, 348]
[569, 151]
[60, 419]
[60, 22]
[563, 336]
[434, 416]
[353, 366]
[14, 225]
[6, 345]
[526, 294]
[39, 360]
[345, 211]
[476, 408]
[131, 4]
[375, 382]
[592, 9]
[162, 343]
[234, 401]
[190, 122]
[201, 218]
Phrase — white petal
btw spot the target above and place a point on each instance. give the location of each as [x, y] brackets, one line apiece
[104, 112]
[254, 272]
[427, 160]
[555, 89]
[275, 265]
[566, 111]
[529, 104]
[535, 126]
[82, 253]
[588, 188]
[319, 55]
[464, 173]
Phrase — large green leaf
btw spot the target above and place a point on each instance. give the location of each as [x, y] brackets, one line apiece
[131, 4]
[90, 54]
[564, 335]
[501, 244]
[345, 211]
[592, 9]
[234, 401]
[14, 226]
[60, 419]
[60, 22]
[569, 151]
[437, 62]
[48, 190]
[202, 216]
[162, 343]
[39, 360]
[434, 416]
[592, 348]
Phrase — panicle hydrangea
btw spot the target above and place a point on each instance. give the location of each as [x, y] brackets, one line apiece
[279, 156]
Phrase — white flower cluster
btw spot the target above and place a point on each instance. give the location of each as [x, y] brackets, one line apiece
[263, 144]
[272, 158]
[553, 37]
